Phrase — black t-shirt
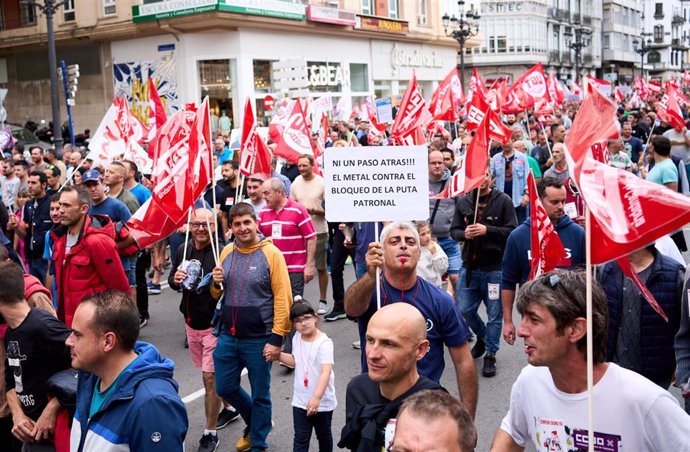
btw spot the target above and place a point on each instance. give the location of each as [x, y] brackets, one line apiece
[35, 351]
[227, 199]
[364, 403]
[37, 216]
[196, 306]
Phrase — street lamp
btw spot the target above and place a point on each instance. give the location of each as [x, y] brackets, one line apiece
[642, 48]
[461, 29]
[581, 36]
[49, 7]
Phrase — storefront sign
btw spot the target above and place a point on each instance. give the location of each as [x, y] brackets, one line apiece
[330, 15]
[502, 7]
[417, 58]
[270, 8]
[171, 9]
[327, 74]
[385, 25]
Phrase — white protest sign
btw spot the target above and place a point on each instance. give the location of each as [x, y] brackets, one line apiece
[379, 183]
[384, 111]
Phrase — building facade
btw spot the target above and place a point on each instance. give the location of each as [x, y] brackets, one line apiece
[667, 34]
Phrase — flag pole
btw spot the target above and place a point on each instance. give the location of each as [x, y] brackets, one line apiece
[476, 207]
[548, 146]
[186, 234]
[378, 270]
[213, 193]
[71, 176]
[590, 339]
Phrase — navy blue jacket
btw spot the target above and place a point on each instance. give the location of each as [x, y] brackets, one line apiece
[665, 282]
[145, 413]
[517, 254]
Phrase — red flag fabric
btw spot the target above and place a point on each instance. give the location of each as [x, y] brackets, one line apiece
[627, 212]
[592, 83]
[150, 224]
[531, 85]
[477, 86]
[556, 92]
[476, 110]
[654, 87]
[157, 116]
[412, 112]
[624, 264]
[447, 98]
[641, 88]
[182, 168]
[295, 140]
[471, 172]
[497, 129]
[620, 97]
[279, 120]
[547, 248]
[668, 109]
[255, 156]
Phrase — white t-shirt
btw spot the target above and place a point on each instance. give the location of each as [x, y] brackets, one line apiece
[432, 266]
[314, 353]
[630, 414]
[311, 195]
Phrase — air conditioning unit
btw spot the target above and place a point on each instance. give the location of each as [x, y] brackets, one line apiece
[421, 20]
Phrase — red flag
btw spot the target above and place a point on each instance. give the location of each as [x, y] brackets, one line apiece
[157, 116]
[472, 170]
[641, 88]
[497, 129]
[620, 97]
[476, 110]
[668, 109]
[182, 167]
[654, 87]
[447, 98]
[150, 224]
[627, 212]
[556, 92]
[592, 83]
[412, 112]
[295, 140]
[531, 86]
[477, 87]
[279, 120]
[254, 154]
[624, 264]
[547, 248]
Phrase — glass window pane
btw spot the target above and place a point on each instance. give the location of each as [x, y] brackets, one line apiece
[215, 81]
[359, 77]
[262, 76]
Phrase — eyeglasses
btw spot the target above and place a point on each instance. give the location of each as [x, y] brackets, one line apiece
[198, 224]
[303, 319]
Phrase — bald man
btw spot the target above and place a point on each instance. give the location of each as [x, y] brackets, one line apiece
[396, 340]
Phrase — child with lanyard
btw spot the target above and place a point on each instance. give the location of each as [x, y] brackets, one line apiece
[313, 398]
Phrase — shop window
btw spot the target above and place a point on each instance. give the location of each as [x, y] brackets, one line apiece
[109, 7]
[215, 82]
[359, 77]
[69, 14]
[327, 76]
[368, 7]
[262, 76]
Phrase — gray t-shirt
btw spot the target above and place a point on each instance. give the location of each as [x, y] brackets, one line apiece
[71, 241]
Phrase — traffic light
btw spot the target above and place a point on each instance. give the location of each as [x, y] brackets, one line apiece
[72, 80]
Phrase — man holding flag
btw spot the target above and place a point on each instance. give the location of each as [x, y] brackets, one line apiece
[518, 253]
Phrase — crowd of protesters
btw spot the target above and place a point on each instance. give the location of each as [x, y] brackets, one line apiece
[75, 291]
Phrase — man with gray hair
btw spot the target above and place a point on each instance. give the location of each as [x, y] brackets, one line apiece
[397, 255]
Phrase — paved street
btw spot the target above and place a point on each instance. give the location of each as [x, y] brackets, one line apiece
[166, 331]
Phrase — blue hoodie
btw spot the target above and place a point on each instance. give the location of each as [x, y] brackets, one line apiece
[516, 258]
[144, 413]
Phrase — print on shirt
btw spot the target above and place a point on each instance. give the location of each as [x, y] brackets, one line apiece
[14, 359]
[555, 436]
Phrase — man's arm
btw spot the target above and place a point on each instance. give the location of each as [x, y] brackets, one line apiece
[458, 225]
[311, 253]
[44, 427]
[358, 295]
[503, 442]
[682, 341]
[164, 416]
[107, 264]
[507, 298]
[466, 374]
[22, 426]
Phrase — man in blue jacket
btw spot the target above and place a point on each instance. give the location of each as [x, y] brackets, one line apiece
[517, 255]
[126, 397]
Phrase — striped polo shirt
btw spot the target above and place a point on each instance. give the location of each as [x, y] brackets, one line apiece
[290, 228]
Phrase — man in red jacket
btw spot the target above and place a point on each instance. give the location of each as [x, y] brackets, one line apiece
[85, 254]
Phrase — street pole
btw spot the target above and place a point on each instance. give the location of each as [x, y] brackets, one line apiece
[49, 11]
[462, 64]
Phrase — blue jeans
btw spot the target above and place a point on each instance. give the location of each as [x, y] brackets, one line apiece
[360, 269]
[452, 250]
[39, 269]
[486, 287]
[303, 424]
[229, 358]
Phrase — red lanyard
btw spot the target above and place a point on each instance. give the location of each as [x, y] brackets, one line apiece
[306, 363]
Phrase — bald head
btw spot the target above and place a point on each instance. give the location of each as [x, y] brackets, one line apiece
[199, 227]
[402, 319]
[202, 215]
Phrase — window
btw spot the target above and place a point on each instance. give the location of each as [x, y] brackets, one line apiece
[654, 57]
[367, 7]
[497, 44]
[393, 9]
[607, 41]
[658, 10]
[109, 7]
[215, 81]
[262, 76]
[27, 14]
[359, 77]
[658, 33]
[69, 15]
[422, 10]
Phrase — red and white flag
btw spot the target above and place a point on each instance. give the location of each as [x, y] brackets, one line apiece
[546, 245]
[471, 172]
[296, 139]
[556, 92]
[531, 85]
[254, 154]
[119, 135]
[412, 113]
[476, 110]
[150, 224]
[668, 110]
[447, 98]
[592, 83]
[279, 120]
[618, 94]
[157, 116]
[654, 87]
